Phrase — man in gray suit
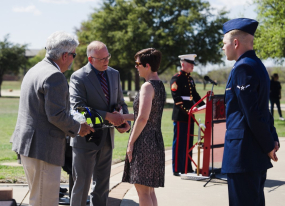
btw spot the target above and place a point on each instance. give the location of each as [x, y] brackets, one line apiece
[44, 120]
[95, 85]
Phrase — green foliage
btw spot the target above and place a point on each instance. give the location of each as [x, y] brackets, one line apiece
[270, 36]
[12, 58]
[36, 59]
[174, 27]
[220, 75]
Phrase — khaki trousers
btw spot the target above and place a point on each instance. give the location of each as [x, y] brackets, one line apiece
[44, 181]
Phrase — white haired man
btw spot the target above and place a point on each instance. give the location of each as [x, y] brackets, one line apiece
[44, 120]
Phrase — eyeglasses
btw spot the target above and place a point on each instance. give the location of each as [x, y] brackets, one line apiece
[73, 55]
[103, 59]
[138, 63]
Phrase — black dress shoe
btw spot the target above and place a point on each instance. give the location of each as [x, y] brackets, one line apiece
[63, 190]
[176, 173]
[61, 194]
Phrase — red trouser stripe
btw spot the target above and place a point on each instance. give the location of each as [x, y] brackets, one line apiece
[177, 144]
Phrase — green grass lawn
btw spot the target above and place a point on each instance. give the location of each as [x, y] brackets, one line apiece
[8, 117]
[15, 85]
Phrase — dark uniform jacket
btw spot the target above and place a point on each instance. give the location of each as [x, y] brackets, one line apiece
[250, 132]
[182, 85]
[275, 88]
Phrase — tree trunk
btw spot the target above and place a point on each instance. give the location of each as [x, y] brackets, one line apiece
[130, 81]
[137, 81]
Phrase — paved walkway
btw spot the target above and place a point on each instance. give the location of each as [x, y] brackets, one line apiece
[178, 191]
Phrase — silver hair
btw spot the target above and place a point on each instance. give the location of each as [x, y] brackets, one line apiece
[60, 42]
[95, 46]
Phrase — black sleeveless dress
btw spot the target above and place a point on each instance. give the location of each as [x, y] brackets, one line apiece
[148, 163]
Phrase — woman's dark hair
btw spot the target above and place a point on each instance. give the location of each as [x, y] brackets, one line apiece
[149, 56]
[275, 75]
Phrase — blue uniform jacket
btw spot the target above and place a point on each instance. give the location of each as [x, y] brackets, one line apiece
[250, 132]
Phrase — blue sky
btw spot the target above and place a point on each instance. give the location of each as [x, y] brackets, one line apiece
[32, 21]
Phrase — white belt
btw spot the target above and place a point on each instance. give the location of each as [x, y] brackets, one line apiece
[185, 98]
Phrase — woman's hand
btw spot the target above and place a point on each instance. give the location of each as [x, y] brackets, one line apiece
[130, 151]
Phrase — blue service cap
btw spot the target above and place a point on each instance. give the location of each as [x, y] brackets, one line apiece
[243, 24]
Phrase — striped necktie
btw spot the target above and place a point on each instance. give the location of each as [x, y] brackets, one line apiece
[104, 85]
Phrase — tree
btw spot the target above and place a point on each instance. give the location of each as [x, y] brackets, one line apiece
[12, 58]
[174, 27]
[36, 59]
[270, 36]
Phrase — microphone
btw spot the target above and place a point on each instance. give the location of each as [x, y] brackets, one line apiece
[206, 78]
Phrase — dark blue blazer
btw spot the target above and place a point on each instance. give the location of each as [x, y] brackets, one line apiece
[250, 132]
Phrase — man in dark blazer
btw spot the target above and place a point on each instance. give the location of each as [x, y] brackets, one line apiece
[184, 94]
[251, 139]
[87, 89]
[44, 120]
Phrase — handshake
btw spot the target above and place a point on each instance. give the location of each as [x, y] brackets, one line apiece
[117, 118]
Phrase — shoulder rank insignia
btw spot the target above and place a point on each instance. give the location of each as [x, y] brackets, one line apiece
[243, 87]
[174, 87]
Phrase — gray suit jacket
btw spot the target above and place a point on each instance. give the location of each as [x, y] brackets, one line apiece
[44, 118]
[86, 91]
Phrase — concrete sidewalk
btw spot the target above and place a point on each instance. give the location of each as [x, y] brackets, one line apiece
[178, 191]
[190, 192]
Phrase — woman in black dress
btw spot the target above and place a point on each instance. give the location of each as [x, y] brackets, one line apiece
[145, 159]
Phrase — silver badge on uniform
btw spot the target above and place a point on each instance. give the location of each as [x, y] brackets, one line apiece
[243, 87]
